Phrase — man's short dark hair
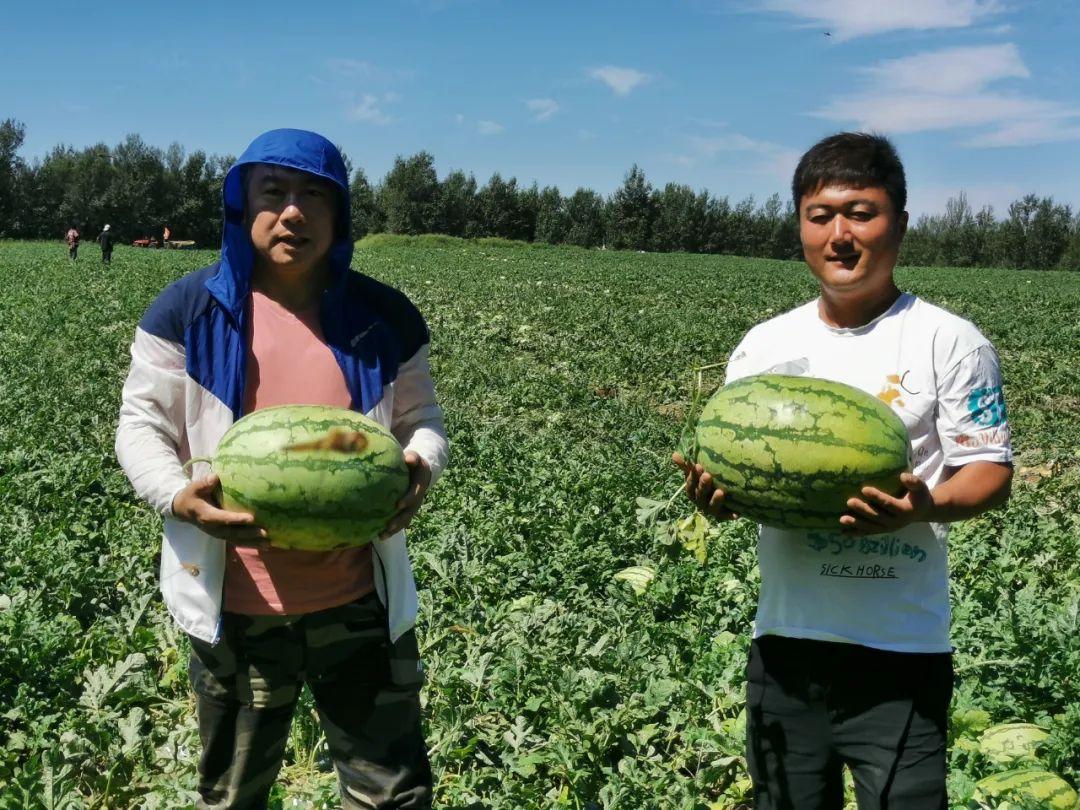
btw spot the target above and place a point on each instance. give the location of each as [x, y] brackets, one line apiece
[851, 160]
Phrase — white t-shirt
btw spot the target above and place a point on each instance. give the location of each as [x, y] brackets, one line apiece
[941, 375]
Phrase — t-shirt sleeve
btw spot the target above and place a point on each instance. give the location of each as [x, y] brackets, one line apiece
[741, 362]
[972, 422]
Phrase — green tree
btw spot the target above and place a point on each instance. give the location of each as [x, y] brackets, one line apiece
[718, 226]
[528, 210]
[196, 214]
[585, 218]
[87, 190]
[49, 210]
[12, 135]
[137, 201]
[499, 208]
[1037, 233]
[742, 228]
[775, 228]
[366, 217]
[629, 213]
[1070, 259]
[458, 208]
[552, 218]
[680, 218]
[409, 195]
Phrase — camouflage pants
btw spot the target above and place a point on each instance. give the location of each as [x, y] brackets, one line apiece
[366, 691]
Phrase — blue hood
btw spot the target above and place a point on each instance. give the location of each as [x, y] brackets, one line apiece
[294, 149]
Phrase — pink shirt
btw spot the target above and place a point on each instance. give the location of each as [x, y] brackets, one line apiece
[288, 364]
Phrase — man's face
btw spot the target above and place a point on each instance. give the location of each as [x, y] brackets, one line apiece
[851, 237]
[291, 216]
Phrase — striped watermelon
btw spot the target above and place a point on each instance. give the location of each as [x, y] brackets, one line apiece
[1030, 785]
[1012, 741]
[316, 478]
[789, 451]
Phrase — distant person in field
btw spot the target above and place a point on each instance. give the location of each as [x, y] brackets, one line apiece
[72, 238]
[280, 319]
[851, 663]
[105, 239]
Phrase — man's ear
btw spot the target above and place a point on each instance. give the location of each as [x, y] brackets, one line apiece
[902, 223]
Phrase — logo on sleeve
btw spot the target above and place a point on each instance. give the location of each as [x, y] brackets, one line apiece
[986, 406]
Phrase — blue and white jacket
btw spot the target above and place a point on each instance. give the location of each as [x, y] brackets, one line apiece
[188, 369]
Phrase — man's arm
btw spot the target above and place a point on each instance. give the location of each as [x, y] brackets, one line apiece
[975, 438]
[152, 420]
[417, 423]
[148, 440]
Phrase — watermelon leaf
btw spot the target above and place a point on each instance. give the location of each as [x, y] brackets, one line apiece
[638, 577]
[648, 509]
[692, 533]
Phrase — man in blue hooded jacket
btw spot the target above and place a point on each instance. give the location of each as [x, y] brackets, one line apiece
[280, 319]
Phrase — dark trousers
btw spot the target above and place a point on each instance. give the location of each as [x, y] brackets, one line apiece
[813, 707]
[366, 691]
[106, 256]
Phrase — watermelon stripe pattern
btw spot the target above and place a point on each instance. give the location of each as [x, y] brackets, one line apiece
[789, 451]
[1034, 785]
[314, 498]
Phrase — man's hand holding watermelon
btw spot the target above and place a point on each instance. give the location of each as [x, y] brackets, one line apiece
[197, 503]
[964, 494]
[702, 490]
[408, 506]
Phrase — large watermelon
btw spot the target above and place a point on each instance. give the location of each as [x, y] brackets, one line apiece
[316, 478]
[790, 451]
[1030, 785]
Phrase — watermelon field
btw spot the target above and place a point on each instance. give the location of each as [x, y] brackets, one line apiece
[556, 678]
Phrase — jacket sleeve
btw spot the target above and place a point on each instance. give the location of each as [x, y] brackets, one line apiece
[417, 421]
[150, 433]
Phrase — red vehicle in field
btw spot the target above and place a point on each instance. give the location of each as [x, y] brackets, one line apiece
[153, 242]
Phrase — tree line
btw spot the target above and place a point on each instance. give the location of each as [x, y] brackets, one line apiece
[139, 189]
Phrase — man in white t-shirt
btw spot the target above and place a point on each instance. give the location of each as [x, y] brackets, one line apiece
[851, 662]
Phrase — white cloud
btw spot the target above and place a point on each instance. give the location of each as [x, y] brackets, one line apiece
[459, 119]
[950, 71]
[489, 127]
[621, 80]
[951, 89]
[847, 19]
[766, 157]
[347, 68]
[350, 68]
[367, 109]
[542, 108]
[1014, 133]
[729, 142]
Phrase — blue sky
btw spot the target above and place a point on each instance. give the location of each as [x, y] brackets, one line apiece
[979, 95]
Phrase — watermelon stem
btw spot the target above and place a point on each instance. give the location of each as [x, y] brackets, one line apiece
[190, 461]
[690, 451]
[674, 497]
[990, 662]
